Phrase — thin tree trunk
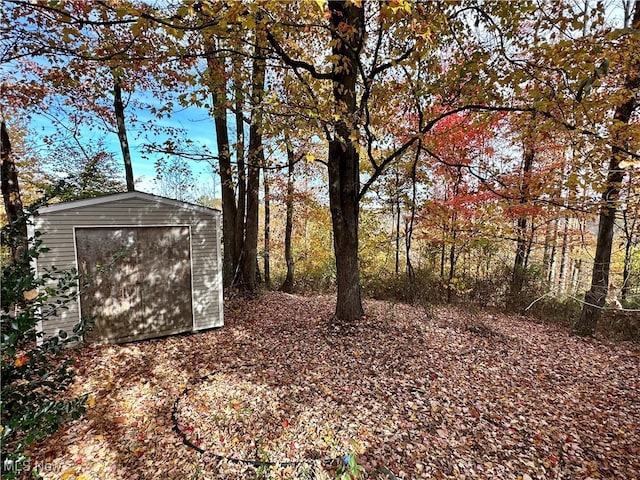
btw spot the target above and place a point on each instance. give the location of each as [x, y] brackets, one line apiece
[532, 233]
[518, 278]
[305, 222]
[397, 226]
[552, 254]
[629, 227]
[409, 230]
[122, 131]
[596, 296]
[343, 160]
[267, 229]
[575, 276]
[240, 163]
[564, 256]
[217, 86]
[626, 274]
[256, 161]
[11, 196]
[287, 285]
[452, 266]
[443, 251]
[454, 236]
[546, 256]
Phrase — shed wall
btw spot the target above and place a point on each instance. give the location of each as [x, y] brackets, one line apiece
[58, 237]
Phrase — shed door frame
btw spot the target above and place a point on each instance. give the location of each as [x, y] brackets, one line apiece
[154, 225]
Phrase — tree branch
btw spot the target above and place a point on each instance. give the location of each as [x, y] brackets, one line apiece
[296, 63]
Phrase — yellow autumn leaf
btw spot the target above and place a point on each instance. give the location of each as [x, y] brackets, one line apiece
[91, 401]
[30, 294]
[68, 473]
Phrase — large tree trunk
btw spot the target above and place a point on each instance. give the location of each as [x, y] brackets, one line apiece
[596, 296]
[347, 21]
[255, 159]
[11, 196]
[217, 86]
[287, 285]
[122, 131]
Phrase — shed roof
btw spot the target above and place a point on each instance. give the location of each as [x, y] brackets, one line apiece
[115, 197]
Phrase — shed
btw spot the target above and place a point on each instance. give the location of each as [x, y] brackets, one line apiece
[151, 265]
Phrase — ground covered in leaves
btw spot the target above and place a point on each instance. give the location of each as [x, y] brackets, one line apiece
[280, 393]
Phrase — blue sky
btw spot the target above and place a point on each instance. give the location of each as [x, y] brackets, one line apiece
[197, 123]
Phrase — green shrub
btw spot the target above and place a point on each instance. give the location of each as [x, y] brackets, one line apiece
[317, 275]
[424, 288]
[552, 309]
[33, 376]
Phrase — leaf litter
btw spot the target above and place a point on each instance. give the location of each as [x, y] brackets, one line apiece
[280, 392]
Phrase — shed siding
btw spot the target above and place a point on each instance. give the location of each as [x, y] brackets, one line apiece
[58, 229]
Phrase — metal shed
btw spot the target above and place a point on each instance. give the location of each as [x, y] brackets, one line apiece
[152, 265]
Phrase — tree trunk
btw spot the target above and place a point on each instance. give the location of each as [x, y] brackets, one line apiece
[532, 233]
[267, 229]
[443, 251]
[519, 273]
[546, 256]
[240, 164]
[11, 196]
[287, 285]
[629, 228]
[564, 256]
[217, 86]
[453, 250]
[122, 131]
[347, 21]
[256, 161]
[452, 264]
[396, 204]
[410, 222]
[551, 273]
[575, 276]
[596, 296]
[344, 215]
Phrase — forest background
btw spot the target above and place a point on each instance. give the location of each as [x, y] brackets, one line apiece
[475, 152]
